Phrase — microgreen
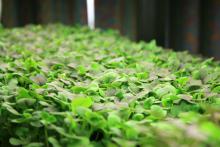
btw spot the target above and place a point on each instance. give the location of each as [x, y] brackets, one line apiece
[72, 86]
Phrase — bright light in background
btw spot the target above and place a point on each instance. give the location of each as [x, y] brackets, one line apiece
[91, 13]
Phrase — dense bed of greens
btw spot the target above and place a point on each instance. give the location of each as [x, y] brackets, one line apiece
[70, 86]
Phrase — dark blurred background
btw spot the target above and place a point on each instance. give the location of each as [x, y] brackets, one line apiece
[192, 25]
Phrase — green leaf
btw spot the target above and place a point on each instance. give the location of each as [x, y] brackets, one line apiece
[30, 64]
[47, 118]
[10, 109]
[168, 100]
[26, 102]
[183, 80]
[164, 89]
[23, 93]
[78, 89]
[95, 119]
[95, 66]
[130, 131]
[189, 117]
[34, 144]
[157, 112]
[113, 120]
[211, 129]
[148, 102]
[93, 87]
[196, 74]
[109, 77]
[151, 45]
[13, 84]
[16, 142]
[81, 70]
[54, 142]
[216, 89]
[138, 117]
[142, 75]
[81, 102]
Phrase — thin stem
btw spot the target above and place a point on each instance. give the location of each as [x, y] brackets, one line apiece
[46, 136]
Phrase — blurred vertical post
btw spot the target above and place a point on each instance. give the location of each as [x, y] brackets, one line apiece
[129, 18]
[210, 29]
[167, 24]
[191, 25]
[0, 10]
[185, 24]
[91, 13]
[153, 18]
